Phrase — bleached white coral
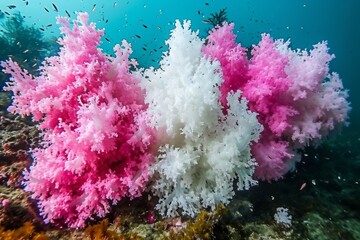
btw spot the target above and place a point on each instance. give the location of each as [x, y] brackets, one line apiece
[183, 94]
[282, 216]
[204, 150]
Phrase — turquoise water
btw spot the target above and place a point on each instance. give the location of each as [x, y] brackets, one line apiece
[305, 22]
[331, 171]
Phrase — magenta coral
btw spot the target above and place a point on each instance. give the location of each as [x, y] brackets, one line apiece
[95, 131]
[298, 102]
[232, 57]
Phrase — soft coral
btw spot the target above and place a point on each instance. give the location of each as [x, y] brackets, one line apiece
[95, 131]
[298, 101]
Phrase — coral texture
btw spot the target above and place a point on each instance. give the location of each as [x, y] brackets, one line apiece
[297, 100]
[215, 117]
[92, 115]
[204, 150]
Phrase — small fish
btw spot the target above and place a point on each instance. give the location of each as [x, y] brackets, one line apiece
[27, 50]
[107, 20]
[25, 60]
[199, 12]
[207, 4]
[11, 6]
[42, 29]
[144, 49]
[303, 186]
[7, 13]
[145, 26]
[55, 8]
[137, 36]
[49, 25]
[115, 4]
[205, 21]
[46, 10]
[107, 39]
[93, 8]
[34, 64]
[67, 13]
[27, 3]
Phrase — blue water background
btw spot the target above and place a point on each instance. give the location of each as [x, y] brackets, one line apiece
[304, 22]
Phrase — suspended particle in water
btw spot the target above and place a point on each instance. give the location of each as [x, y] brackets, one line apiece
[161, 11]
[144, 5]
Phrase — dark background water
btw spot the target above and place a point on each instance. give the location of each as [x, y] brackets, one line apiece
[304, 22]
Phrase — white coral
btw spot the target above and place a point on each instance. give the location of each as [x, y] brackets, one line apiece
[207, 150]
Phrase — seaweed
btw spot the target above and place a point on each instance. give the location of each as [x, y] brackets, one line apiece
[202, 227]
[25, 232]
[217, 18]
[101, 231]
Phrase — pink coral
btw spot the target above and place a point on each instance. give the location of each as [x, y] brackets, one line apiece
[266, 91]
[297, 100]
[232, 57]
[95, 129]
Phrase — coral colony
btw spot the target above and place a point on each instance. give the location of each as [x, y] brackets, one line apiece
[207, 118]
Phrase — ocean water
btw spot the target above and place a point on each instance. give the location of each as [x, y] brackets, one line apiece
[147, 24]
